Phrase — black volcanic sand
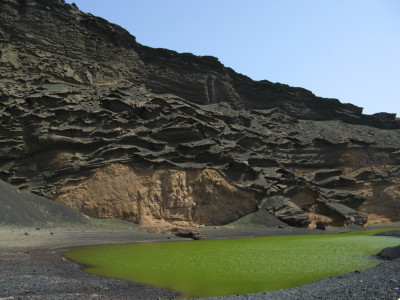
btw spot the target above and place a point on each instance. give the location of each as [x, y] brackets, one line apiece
[38, 270]
[47, 275]
[27, 209]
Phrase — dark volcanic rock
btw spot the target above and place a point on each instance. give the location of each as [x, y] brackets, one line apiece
[187, 233]
[47, 275]
[285, 210]
[320, 226]
[389, 233]
[22, 208]
[351, 216]
[79, 93]
[390, 253]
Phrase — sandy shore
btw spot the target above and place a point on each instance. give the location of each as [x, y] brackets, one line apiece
[56, 238]
[22, 238]
[33, 267]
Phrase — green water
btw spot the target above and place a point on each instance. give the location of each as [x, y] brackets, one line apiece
[237, 266]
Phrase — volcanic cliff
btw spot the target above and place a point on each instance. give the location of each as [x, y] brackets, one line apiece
[92, 119]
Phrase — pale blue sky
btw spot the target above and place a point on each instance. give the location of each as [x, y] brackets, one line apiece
[344, 49]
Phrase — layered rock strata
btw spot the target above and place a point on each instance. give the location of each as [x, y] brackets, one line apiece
[80, 98]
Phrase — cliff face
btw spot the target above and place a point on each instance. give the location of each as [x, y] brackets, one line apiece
[79, 96]
[159, 197]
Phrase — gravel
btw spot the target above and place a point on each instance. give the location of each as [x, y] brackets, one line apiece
[45, 274]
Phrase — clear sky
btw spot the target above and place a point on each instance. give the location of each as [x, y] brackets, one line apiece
[344, 49]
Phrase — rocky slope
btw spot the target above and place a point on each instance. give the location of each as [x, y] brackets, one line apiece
[91, 118]
[26, 209]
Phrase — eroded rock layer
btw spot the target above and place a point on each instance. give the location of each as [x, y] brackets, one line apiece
[81, 99]
[159, 197]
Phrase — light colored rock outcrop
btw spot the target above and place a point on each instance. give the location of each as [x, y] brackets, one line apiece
[158, 197]
[383, 202]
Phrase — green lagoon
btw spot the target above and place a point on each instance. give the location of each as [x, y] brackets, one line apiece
[234, 266]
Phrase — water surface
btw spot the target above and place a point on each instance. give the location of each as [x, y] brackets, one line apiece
[237, 266]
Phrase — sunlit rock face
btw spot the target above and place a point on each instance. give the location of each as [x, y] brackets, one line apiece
[79, 96]
[159, 197]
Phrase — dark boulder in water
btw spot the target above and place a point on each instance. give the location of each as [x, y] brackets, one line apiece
[390, 253]
[389, 233]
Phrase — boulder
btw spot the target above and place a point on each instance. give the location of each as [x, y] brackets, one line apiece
[390, 253]
[352, 199]
[188, 233]
[286, 211]
[350, 215]
[323, 174]
[336, 182]
[389, 233]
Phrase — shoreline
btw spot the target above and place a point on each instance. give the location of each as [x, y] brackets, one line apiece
[32, 265]
[22, 238]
